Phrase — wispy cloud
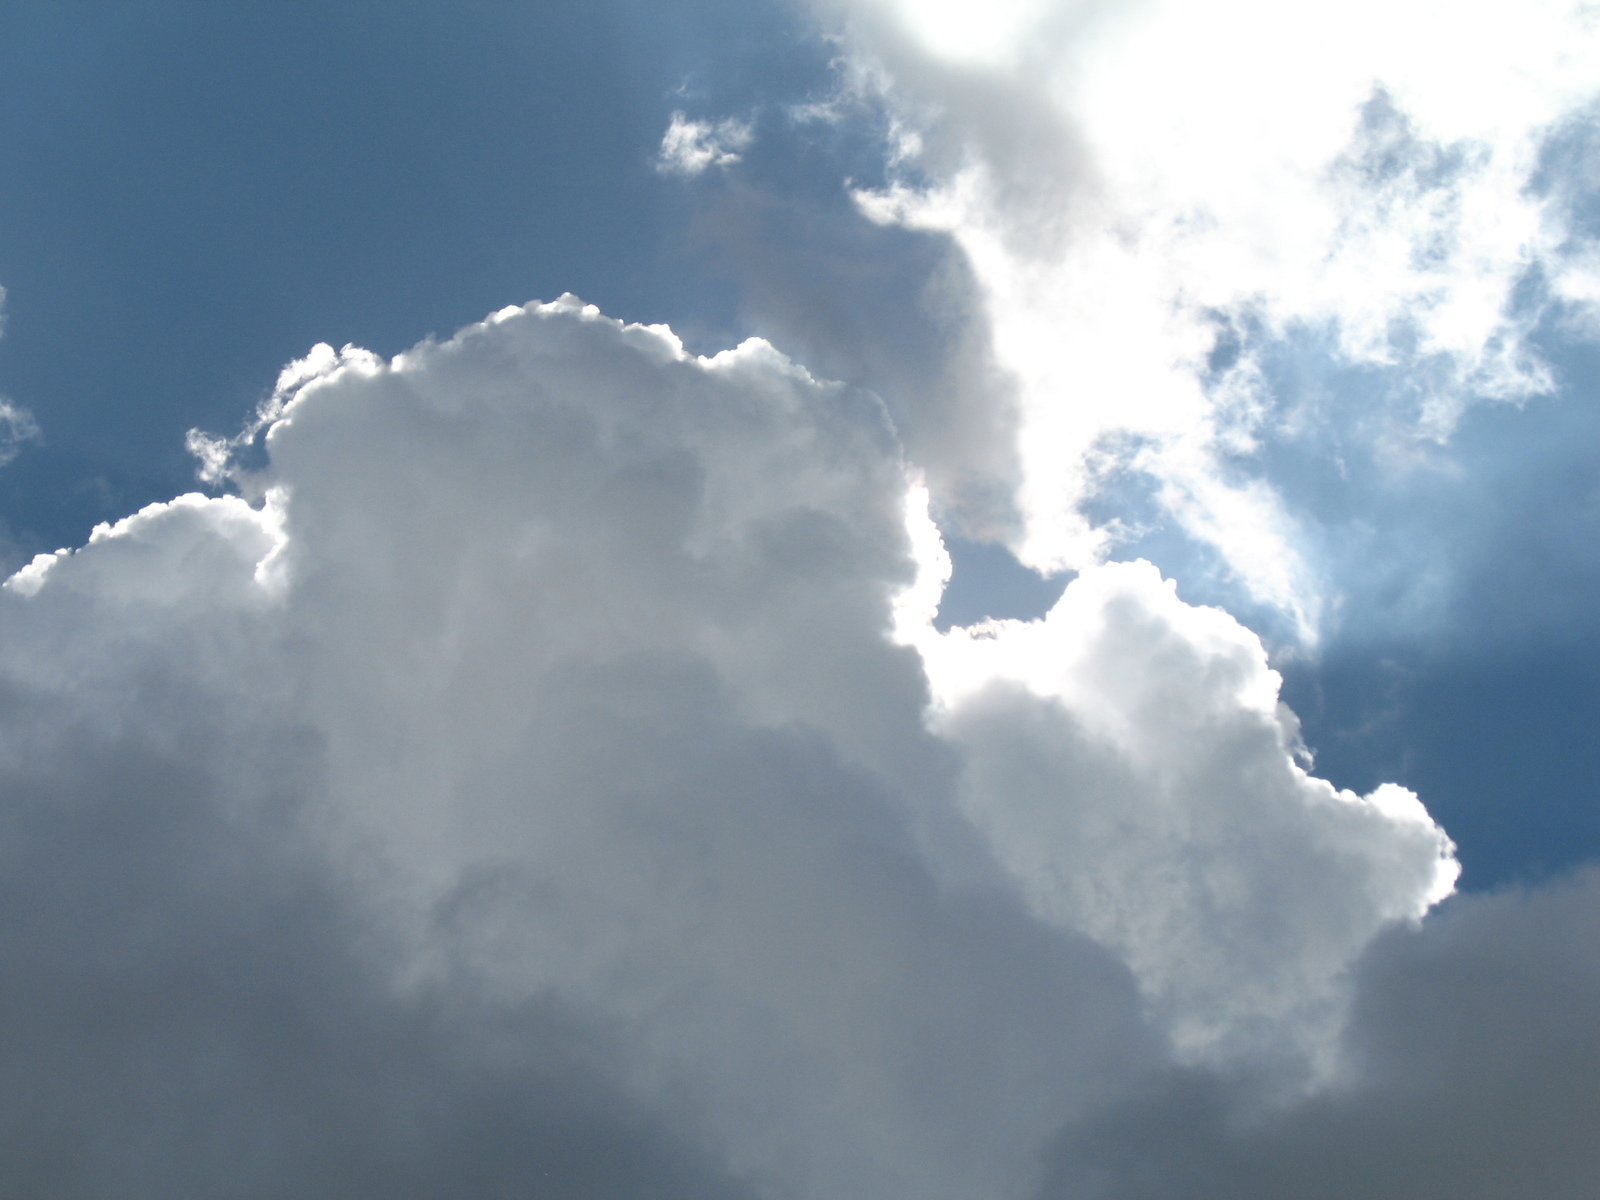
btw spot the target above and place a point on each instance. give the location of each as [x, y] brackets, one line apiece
[691, 148]
[17, 429]
[538, 764]
[1136, 187]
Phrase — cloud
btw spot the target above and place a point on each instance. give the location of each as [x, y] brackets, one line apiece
[1472, 1067]
[201, 1002]
[888, 309]
[543, 688]
[1156, 200]
[540, 769]
[690, 148]
[1130, 763]
[17, 429]
[17, 424]
[532, 768]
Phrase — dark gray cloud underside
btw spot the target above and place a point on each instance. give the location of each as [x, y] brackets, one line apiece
[1475, 1052]
[195, 1004]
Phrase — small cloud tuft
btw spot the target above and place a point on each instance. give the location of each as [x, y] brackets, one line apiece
[17, 429]
[690, 148]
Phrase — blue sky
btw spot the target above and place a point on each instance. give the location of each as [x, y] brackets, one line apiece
[560, 627]
[185, 183]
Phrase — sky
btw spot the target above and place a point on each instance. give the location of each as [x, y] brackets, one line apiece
[800, 599]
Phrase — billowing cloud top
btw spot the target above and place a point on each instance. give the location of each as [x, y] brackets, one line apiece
[550, 726]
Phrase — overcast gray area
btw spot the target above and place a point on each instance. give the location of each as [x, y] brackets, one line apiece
[1474, 1071]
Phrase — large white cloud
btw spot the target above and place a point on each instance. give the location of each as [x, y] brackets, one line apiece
[538, 730]
[565, 653]
[1155, 196]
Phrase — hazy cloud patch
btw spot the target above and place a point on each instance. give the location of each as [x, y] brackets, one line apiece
[691, 147]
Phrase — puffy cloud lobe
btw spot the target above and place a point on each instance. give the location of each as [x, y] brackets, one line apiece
[1130, 764]
[524, 762]
[1140, 187]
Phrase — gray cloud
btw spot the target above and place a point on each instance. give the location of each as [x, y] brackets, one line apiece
[890, 310]
[200, 1000]
[1472, 1072]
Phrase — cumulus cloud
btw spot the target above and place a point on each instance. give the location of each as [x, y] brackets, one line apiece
[544, 770]
[534, 716]
[1155, 199]
[690, 148]
[1129, 760]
